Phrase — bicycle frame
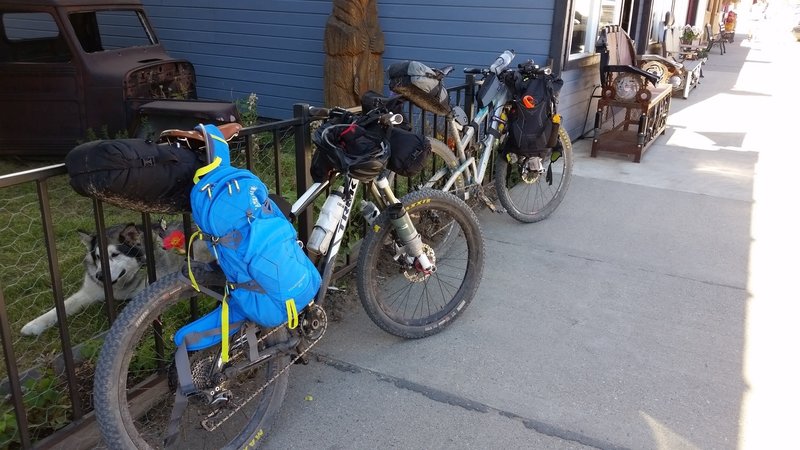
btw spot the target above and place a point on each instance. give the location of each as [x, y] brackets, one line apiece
[380, 190]
[472, 171]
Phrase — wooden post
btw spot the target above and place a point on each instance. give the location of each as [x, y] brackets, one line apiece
[353, 52]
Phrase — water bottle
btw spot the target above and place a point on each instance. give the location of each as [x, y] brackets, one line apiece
[502, 61]
[329, 217]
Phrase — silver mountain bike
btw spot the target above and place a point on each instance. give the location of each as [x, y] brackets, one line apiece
[529, 188]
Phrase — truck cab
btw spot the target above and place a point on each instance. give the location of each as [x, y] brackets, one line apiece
[73, 69]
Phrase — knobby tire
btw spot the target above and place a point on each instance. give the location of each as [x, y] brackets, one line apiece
[398, 298]
[534, 201]
[161, 303]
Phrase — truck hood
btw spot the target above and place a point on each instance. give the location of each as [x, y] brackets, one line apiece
[146, 72]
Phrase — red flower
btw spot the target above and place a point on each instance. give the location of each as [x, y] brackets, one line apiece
[175, 240]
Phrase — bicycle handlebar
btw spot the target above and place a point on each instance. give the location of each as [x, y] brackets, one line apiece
[388, 119]
[317, 111]
[527, 68]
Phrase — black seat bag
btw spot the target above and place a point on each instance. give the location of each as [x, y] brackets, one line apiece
[135, 174]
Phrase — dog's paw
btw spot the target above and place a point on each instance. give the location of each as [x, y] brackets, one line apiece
[32, 328]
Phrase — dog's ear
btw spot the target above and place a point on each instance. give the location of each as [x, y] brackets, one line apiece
[131, 235]
[161, 228]
[86, 238]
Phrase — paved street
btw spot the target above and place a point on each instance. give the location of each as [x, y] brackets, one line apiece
[654, 310]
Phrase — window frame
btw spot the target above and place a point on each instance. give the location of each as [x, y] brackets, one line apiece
[587, 58]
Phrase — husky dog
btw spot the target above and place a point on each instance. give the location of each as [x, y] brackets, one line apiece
[126, 257]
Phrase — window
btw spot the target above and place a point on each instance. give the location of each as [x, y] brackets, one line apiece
[110, 30]
[32, 38]
[587, 18]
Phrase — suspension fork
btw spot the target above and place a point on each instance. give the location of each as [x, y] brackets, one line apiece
[408, 238]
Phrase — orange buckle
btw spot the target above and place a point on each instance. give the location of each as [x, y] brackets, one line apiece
[528, 102]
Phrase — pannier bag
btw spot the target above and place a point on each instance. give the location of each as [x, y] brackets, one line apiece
[352, 144]
[270, 279]
[134, 174]
[420, 84]
[533, 122]
[408, 152]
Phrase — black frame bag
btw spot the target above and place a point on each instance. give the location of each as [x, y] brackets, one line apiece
[533, 129]
[134, 174]
[409, 152]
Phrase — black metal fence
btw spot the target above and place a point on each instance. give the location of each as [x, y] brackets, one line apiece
[46, 379]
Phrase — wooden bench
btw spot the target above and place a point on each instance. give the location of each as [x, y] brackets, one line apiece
[632, 111]
[719, 39]
[690, 58]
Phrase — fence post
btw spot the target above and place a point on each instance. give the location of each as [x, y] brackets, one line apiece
[302, 152]
[13, 374]
[469, 93]
[58, 294]
[100, 226]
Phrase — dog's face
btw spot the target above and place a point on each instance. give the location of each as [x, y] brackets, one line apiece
[125, 253]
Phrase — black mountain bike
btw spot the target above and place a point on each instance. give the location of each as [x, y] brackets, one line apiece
[419, 266]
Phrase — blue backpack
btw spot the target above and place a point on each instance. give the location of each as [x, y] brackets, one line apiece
[269, 276]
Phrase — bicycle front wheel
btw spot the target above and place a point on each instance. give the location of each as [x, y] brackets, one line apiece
[528, 196]
[398, 296]
[135, 380]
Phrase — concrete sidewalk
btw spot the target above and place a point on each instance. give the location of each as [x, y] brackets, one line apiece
[654, 310]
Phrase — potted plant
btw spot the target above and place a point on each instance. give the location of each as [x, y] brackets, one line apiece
[690, 35]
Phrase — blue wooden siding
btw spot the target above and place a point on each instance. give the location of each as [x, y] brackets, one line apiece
[275, 48]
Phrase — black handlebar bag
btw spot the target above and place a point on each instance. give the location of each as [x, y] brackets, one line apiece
[533, 123]
[135, 174]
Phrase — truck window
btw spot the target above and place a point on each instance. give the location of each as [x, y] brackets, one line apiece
[111, 30]
[32, 38]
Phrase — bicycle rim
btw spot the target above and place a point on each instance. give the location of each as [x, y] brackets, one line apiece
[400, 299]
[135, 380]
[536, 198]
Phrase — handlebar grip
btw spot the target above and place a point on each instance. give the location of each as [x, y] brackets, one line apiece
[317, 111]
[473, 70]
[391, 119]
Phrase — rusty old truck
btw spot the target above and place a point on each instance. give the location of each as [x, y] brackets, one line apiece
[74, 69]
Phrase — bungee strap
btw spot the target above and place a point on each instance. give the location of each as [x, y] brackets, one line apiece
[225, 327]
[207, 168]
[291, 314]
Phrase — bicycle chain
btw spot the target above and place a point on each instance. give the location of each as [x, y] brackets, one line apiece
[210, 425]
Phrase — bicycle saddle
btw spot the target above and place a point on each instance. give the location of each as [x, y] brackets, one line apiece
[445, 70]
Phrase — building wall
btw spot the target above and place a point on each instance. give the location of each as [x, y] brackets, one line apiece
[275, 49]
[272, 49]
[576, 105]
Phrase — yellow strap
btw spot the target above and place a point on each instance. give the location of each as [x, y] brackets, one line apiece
[213, 136]
[291, 312]
[225, 324]
[205, 169]
[197, 234]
